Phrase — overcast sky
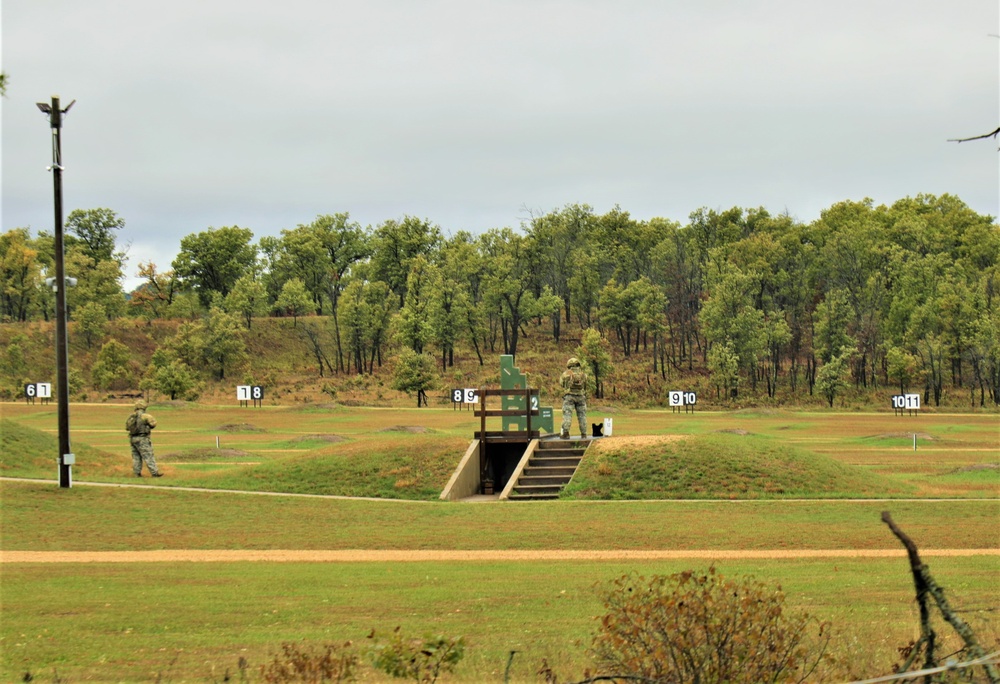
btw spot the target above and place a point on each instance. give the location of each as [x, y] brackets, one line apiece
[473, 114]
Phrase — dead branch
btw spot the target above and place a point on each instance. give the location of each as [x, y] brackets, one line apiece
[927, 636]
[925, 585]
[978, 137]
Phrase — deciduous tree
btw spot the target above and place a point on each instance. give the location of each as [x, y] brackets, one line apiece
[213, 260]
[113, 368]
[248, 298]
[294, 300]
[415, 374]
[95, 230]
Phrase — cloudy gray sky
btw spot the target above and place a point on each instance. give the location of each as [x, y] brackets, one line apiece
[199, 113]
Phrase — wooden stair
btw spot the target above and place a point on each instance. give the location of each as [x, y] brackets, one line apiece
[549, 469]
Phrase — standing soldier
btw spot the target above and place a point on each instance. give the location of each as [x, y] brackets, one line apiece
[574, 384]
[139, 424]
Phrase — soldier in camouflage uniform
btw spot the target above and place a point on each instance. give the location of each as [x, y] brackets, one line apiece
[139, 425]
[574, 384]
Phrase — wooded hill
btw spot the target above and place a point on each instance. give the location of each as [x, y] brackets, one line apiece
[742, 306]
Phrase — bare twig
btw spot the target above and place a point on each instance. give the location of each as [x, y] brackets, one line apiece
[978, 137]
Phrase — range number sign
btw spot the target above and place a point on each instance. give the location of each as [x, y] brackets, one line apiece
[467, 395]
[37, 390]
[250, 393]
[905, 402]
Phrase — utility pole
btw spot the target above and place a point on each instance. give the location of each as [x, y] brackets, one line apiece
[59, 284]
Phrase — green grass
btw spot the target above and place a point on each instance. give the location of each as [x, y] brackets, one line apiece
[46, 518]
[28, 452]
[192, 621]
[721, 466]
[367, 451]
[404, 467]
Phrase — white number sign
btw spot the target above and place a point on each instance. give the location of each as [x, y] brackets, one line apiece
[679, 398]
[906, 402]
[243, 392]
[465, 396]
[42, 390]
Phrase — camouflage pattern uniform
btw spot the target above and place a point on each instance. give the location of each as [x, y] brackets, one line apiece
[574, 383]
[142, 447]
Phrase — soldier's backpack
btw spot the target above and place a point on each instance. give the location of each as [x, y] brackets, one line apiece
[133, 425]
[577, 380]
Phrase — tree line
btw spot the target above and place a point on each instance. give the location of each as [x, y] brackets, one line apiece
[899, 296]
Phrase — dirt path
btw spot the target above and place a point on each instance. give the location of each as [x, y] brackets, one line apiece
[374, 556]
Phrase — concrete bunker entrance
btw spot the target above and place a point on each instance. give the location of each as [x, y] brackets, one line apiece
[502, 461]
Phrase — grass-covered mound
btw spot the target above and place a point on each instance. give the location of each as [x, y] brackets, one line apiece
[400, 467]
[717, 466]
[27, 452]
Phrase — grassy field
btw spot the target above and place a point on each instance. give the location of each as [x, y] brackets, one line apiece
[410, 453]
[193, 621]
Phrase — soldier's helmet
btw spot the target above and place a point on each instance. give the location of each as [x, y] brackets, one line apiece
[141, 404]
[573, 361]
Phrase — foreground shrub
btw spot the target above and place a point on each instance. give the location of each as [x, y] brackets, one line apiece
[692, 627]
[295, 663]
[419, 660]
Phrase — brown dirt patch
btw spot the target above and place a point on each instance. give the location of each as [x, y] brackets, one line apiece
[608, 443]
[416, 429]
[320, 438]
[205, 454]
[975, 468]
[240, 427]
[735, 431]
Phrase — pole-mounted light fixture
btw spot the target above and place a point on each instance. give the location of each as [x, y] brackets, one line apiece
[66, 457]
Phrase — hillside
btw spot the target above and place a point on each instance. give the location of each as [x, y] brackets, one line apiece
[281, 357]
[718, 466]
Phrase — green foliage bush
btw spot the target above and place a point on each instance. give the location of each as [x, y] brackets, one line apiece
[419, 660]
[703, 627]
